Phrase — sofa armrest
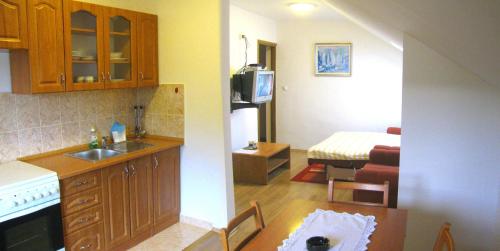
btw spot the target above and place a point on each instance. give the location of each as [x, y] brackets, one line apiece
[394, 130]
[388, 157]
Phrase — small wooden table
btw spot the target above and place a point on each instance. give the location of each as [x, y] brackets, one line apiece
[253, 166]
[389, 233]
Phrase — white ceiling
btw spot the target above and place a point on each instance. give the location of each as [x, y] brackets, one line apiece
[279, 10]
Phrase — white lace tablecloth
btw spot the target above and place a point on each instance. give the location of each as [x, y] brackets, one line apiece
[346, 232]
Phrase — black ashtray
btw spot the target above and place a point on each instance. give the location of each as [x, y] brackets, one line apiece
[318, 243]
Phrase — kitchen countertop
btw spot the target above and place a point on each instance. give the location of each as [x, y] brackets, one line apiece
[66, 166]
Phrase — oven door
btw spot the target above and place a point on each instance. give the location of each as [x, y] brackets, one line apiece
[39, 230]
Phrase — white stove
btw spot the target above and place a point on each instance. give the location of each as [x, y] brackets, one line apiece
[30, 212]
[25, 187]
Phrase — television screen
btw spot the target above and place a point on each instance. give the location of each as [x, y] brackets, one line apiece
[263, 86]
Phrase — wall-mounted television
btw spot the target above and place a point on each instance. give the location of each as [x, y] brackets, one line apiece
[258, 86]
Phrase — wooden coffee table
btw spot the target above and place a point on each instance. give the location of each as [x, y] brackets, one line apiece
[253, 166]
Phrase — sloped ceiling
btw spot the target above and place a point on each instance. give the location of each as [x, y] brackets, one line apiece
[465, 31]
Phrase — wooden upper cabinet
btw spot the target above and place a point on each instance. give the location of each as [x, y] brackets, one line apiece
[77, 46]
[166, 188]
[141, 196]
[120, 48]
[14, 31]
[84, 47]
[147, 50]
[115, 189]
[41, 68]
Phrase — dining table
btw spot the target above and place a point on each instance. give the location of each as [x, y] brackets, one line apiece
[389, 234]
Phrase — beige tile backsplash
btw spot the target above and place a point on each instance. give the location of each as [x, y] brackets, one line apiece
[164, 110]
[31, 124]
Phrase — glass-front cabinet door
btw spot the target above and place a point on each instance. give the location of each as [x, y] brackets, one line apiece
[85, 64]
[120, 48]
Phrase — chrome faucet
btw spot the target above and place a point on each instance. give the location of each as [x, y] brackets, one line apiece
[104, 142]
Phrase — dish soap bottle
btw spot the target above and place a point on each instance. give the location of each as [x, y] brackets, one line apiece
[93, 139]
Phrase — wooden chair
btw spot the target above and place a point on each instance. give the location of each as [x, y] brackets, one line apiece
[255, 211]
[359, 186]
[444, 239]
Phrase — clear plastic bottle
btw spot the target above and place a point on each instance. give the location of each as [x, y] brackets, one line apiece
[93, 144]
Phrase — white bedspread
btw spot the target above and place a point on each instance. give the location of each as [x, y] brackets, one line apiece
[346, 232]
[351, 145]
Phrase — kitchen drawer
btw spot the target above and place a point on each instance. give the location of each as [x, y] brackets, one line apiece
[82, 219]
[89, 238]
[80, 201]
[80, 183]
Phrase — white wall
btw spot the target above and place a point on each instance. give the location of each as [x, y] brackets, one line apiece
[244, 124]
[450, 152]
[313, 107]
[193, 51]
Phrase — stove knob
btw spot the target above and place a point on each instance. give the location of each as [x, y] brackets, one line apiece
[54, 191]
[20, 201]
[29, 198]
[45, 193]
[38, 196]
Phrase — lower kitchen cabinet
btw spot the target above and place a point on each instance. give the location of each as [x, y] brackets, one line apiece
[140, 197]
[166, 188]
[115, 189]
[89, 238]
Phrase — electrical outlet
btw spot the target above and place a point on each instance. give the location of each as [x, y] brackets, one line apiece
[242, 36]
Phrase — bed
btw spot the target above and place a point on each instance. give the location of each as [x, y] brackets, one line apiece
[349, 149]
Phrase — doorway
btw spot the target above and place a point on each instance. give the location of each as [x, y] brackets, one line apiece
[267, 111]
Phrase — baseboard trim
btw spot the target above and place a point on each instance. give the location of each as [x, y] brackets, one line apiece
[196, 222]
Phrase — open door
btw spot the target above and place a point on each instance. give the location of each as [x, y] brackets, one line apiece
[267, 112]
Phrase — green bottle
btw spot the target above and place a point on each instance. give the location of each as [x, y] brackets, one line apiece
[93, 139]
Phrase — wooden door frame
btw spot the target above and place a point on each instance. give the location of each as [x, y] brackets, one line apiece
[273, 47]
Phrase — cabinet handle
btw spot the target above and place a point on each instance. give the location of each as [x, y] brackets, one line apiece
[141, 75]
[81, 183]
[156, 161]
[103, 76]
[126, 170]
[133, 169]
[109, 76]
[81, 202]
[84, 220]
[83, 247]
[63, 79]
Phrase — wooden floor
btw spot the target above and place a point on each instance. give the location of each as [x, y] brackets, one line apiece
[272, 198]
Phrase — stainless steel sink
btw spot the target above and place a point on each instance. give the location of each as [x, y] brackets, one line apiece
[129, 146]
[95, 154]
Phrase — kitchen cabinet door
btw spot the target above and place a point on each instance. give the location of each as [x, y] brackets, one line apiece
[147, 49]
[41, 68]
[15, 34]
[166, 188]
[120, 48]
[83, 42]
[141, 196]
[116, 205]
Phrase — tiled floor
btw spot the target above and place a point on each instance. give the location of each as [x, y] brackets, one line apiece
[174, 238]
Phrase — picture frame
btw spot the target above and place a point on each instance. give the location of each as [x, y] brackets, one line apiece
[333, 59]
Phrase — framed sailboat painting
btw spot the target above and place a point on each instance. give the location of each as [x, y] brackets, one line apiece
[333, 59]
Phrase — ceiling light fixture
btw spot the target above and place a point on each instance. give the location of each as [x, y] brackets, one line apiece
[302, 7]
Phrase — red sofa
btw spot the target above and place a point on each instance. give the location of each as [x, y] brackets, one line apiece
[382, 166]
